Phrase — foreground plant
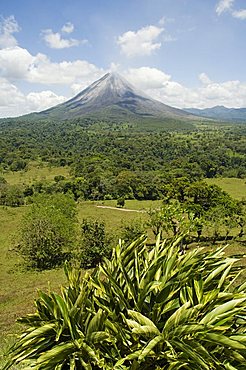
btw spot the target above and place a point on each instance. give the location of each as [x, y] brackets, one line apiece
[148, 308]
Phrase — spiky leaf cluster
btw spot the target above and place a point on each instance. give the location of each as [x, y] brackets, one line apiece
[144, 308]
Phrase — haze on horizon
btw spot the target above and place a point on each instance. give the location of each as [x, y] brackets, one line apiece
[183, 53]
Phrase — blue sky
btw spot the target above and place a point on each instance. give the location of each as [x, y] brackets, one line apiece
[185, 53]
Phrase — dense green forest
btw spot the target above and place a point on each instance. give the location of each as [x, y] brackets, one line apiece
[120, 161]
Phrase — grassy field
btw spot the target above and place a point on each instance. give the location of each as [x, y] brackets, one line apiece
[233, 186]
[34, 172]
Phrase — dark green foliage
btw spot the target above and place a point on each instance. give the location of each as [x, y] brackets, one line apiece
[144, 308]
[59, 178]
[188, 207]
[94, 245]
[118, 160]
[120, 202]
[11, 195]
[18, 165]
[132, 230]
[47, 233]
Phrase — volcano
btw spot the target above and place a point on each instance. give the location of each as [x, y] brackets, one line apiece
[113, 96]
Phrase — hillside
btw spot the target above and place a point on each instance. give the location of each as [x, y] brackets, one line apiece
[220, 113]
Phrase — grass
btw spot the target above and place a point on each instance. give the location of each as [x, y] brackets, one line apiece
[35, 172]
[233, 186]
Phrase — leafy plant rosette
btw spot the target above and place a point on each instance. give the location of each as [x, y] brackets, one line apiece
[144, 308]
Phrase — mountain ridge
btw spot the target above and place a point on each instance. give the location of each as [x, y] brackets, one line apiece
[220, 112]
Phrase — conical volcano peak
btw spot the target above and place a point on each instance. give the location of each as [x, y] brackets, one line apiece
[113, 93]
[115, 82]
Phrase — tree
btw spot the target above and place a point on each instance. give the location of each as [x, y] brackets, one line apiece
[132, 230]
[144, 308]
[94, 244]
[11, 195]
[120, 202]
[47, 233]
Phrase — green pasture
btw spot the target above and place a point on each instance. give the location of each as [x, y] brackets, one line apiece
[233, 186]
[34, 172]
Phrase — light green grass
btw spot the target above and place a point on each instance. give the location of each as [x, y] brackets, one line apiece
[115, 218]
[233, 186]
[34, 172]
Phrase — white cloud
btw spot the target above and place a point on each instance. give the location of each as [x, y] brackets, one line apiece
[160, 86]
[14, 103]
[240, 14]
[9, 94]
[204, 79]
[227, 6]
[68, 28]
[55, 41]
[38, 101]
[8, 26]
[147, 78]
[224, 6]
[141, 42]
[18, 64]
[15, 62]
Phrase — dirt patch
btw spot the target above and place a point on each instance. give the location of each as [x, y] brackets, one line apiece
[122, 209]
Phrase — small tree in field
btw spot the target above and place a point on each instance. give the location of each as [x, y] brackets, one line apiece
[94, 245]
[48, 231]
[120, 202]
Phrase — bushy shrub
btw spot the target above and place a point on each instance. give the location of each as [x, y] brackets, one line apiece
[47, 233]
[132, 230]
[94, 245]
[120, 202]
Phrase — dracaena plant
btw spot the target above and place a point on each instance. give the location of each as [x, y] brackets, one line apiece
[144, 308]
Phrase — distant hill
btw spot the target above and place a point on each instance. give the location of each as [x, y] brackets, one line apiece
[221, 113]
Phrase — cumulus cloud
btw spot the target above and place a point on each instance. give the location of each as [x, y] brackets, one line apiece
[55, 40]
[18, 64]
[147, 78]
[14, 103]
[141, 42]
[240, 14]
[38, 101]
[15, 62]
[68, 28]
[8, 26]
[159, 85]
